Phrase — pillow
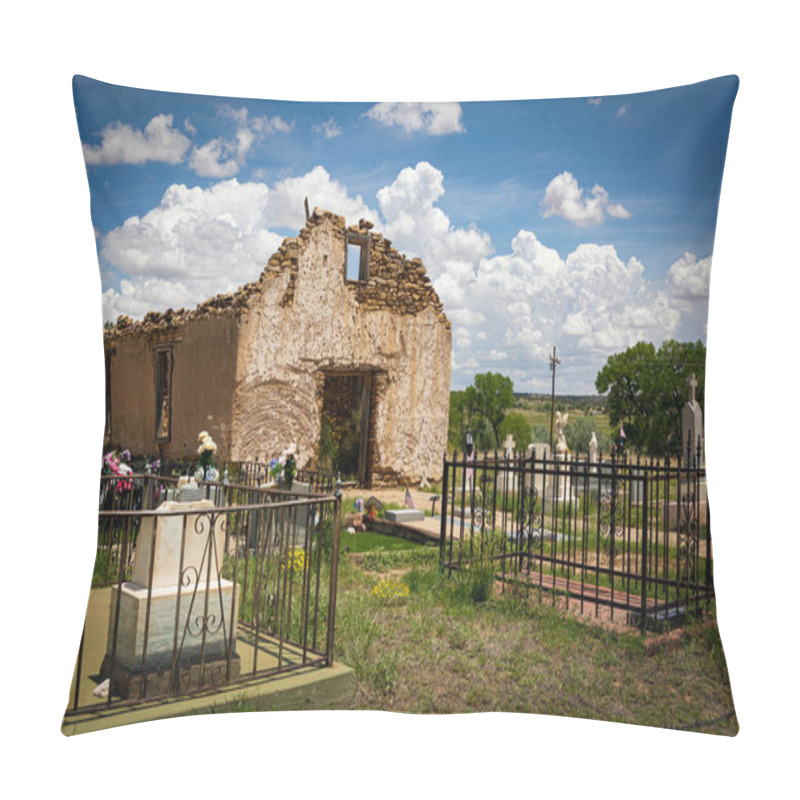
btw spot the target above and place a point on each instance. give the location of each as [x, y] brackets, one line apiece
[305, 306]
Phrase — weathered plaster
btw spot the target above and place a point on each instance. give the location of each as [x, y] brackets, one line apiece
[249, 365]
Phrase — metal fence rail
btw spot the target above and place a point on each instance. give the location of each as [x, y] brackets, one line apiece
[191, 599]
[247, 473]
[256, 473]
[629, 535]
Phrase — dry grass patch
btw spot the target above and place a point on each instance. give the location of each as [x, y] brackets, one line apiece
[442, 652]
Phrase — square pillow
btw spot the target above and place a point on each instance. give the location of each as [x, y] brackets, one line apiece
[404, 406]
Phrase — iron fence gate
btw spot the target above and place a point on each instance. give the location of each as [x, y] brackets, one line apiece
[629, 536]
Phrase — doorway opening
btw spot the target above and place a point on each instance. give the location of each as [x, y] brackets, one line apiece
[344, 435]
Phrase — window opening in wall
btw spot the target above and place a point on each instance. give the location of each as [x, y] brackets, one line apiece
[357, 257]
[163, 394]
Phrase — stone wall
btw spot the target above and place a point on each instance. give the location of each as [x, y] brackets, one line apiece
[307, 318]
[249, 366]
[204, 347]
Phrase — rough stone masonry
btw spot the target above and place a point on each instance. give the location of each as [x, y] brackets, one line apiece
[250, 366]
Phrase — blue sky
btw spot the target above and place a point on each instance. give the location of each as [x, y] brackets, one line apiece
[586, 223]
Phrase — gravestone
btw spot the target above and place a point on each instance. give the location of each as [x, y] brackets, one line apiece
[542, 452]
[692, 428]
[507, 478]
[593, 452]
[297, 522]
[190, 492]
[279, 522]
[165, 610]
[404, 515]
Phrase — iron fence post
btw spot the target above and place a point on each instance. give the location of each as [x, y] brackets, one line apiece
[443, 526]
[337, 521]
[643, 587]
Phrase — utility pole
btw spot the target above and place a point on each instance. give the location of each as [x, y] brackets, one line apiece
[554, 362]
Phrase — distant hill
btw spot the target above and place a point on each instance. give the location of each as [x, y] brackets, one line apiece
[586, 403]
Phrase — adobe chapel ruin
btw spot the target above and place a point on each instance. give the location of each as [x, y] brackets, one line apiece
[338, 321]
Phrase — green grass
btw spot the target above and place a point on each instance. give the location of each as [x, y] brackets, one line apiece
[454, 647]
[458, 645]
[365, 541]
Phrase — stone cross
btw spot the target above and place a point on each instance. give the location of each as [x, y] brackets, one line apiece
[509, 444]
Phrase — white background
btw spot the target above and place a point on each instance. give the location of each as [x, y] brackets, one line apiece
[51, 437]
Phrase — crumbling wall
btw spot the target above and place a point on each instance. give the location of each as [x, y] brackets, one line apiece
[247, 366]
[306, 318]
[203, 344]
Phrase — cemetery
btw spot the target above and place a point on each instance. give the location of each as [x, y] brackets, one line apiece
[626, 535]
[223, 581]
[339, 328]
[203, 585]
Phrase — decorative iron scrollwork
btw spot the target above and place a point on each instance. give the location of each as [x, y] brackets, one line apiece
[206, 622]
[482, 504]
[688, 537]
[612, 518]
[529, 522]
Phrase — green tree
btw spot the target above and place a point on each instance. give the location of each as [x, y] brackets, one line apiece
[495, 394]
[463, 417]
[647, 389]
[519, 427]
[579, 432]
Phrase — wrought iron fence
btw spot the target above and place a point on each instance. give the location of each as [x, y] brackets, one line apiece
[256, 473]
[247, 473]
[627, 535]
[195, 596]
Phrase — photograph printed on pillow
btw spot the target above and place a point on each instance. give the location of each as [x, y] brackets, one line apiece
[404, 407]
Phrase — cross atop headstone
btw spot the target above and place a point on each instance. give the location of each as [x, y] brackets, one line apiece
[509, 444]
[692, 427]
[554, 362]
[692, 383]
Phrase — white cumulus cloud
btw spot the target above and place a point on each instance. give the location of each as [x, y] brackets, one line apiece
[512, 307]
[689, 278]
[563, 197]
[122, 144]
[209, 160]
[418, 227]
[287, 205]
[507, 308]
[436, 119]
[688, 281]
[201, 242]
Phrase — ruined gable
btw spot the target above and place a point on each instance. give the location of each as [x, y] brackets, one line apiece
[251, 366]
[394, 282]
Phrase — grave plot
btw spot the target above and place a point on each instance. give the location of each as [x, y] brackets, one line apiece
[630, 536]
[222, 583]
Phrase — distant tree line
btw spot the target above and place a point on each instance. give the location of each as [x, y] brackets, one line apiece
[585, 403]
[642, 390]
